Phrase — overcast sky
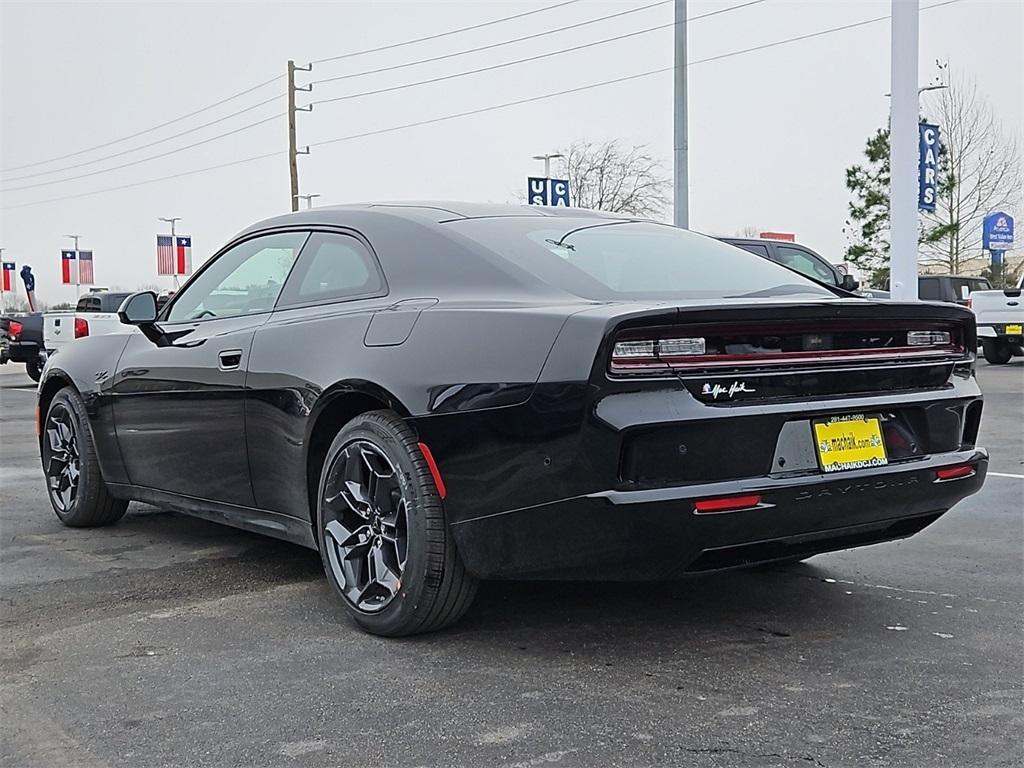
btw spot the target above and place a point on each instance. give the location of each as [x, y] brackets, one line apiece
[771, 131]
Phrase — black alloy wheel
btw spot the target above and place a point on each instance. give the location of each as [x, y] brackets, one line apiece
[367, 534]
[74, 483]
[63, 468]
[383, 534]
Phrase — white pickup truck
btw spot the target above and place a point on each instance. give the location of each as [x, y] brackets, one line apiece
[1000, 318]
[96, 314]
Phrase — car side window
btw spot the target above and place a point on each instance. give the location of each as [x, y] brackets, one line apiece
[928, 289]
[755, 248]
[806, 264]
[332, 267]
[246, 279]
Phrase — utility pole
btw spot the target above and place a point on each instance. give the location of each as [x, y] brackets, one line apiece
[78, 282]
[308, 199]
[903, 150]
[547, 162]
[681, 172]
[293, 150]
[174, 244]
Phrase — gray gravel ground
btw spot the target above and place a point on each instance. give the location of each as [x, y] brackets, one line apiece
[167, 641]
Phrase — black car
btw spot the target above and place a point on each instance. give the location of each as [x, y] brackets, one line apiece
[431, 394]
[798, 257]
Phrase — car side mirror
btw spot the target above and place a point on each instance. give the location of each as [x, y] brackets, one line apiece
[849, 284]
[138, 308]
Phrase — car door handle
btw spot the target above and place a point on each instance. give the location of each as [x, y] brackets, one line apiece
[229, 359]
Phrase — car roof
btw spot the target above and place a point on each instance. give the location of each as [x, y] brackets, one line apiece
[433, 212]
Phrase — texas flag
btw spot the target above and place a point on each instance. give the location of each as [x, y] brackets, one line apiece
[8, 276]
[85, 273]
[183, 256]
[68, 268]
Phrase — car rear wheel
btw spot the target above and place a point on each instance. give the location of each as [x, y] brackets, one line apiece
[73, 481]
[996, 351]
[383, 535]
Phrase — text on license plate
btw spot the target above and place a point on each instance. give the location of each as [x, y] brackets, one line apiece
[850, 442]
[1013, 330]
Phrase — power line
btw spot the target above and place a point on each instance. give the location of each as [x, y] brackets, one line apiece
[146, 181]
[517, 61]
[340, 98]
[146, 146]
[147, 130]
[492, 67]
[491, 46]
[391, 46]
[480, 110]
[146, 159]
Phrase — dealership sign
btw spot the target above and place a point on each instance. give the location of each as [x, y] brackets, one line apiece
[927, 165]
[542, 191]
[997, 232]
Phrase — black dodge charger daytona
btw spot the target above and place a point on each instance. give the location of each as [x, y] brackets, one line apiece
[434, 393]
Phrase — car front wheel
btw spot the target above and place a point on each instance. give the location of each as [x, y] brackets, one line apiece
[996, 351]
[73, 480]
[383, 535]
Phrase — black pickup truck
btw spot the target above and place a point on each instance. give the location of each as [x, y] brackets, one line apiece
[21, 341]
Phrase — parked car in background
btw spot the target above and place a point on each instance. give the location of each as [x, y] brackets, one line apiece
[434, 393]
[96, 313]
[955, 289]
[1000, 318]
[21, 341]
[798, 257]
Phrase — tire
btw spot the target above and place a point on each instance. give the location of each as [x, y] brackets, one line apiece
[74, 483]
[383, 535]
[34, 369]
[996, 351]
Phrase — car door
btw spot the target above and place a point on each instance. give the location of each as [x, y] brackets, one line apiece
[316, 337]
[179, 403]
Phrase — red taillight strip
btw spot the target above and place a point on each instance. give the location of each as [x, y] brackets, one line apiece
[954, 473]
[726, 504]
[788, 358]
[432, 466]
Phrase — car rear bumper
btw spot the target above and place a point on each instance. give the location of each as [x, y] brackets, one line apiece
[655, 533]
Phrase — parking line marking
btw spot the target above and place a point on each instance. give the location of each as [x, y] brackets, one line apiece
[1007, 474]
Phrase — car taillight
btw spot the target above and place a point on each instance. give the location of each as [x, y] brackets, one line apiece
[647, 353]
[81, 327]
[928, 338]
[14, 329]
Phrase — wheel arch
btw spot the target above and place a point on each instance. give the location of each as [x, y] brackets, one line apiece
[338, 405]
[54, 383]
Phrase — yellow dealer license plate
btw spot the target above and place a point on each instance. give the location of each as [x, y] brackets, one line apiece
[1013, 330]
[850, 442]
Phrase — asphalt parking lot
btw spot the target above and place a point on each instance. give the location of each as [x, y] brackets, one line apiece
[168, 641]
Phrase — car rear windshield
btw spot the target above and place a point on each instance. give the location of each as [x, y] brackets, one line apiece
[627, 260]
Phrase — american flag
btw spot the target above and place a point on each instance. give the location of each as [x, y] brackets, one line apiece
[85, 273]
[164, 255]
[183, 256]
[8, 276]
[68, 268]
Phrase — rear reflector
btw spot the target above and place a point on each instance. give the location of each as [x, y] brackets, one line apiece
[954, 473]
[432, 466]
[726, 504]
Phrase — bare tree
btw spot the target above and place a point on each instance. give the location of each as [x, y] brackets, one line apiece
[607, 177]
[979, 172]
[749, 231]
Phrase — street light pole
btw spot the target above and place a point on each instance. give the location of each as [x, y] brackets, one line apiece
[547, 162]
[903, 140]
[174, 245]
[681, 172]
